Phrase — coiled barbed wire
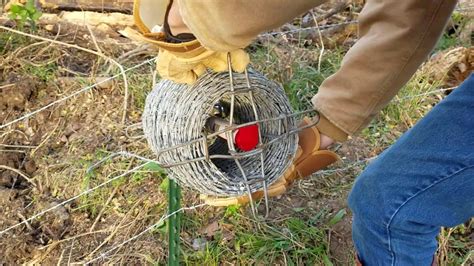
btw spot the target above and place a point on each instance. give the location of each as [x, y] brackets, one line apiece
[177, 113]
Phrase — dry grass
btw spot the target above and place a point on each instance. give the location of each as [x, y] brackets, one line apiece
[55, 148]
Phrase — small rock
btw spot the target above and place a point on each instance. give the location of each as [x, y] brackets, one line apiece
[199, 244]
[30, 167]
[5, 196]
[104, 83]
[49, 27]
[211, 229]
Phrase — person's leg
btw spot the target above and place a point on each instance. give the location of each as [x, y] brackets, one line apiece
[422, 182]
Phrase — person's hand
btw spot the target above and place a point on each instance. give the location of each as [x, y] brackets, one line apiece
[177, 26]
[189, 66]
[325, 142]
[182, 62]
[310, 157]
[175, 20]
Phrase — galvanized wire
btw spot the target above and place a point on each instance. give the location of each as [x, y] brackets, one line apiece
[176, 114]
[103, 256]
[85, 192]
[106, 254]
[323, 27]
[87, 88]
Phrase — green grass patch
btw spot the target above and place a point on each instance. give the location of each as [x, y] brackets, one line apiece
[302, 75]
[10, 41]
[292, 241]
[139, 85]
[44, 73]
[450, 38]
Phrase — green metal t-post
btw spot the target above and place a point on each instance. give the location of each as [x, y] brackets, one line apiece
[174, 225]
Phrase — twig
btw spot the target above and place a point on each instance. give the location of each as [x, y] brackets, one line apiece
[94, 40]
[19, 132]
[7, 85]
[70, 252]
[46, 48]
[309, 28]
[321, 51]
[38, 260]
[132, 129]
[61, 258]
[45, 139]
[121, 6]
[425, 94]
[339, 7]
[103, 208]
[468, 258]
[18, 51]
[142, 49]
[20, 173]
[18, 146]
[125, 81]
[18, 151]
[116, 229]
[75, 237]
[28, 225]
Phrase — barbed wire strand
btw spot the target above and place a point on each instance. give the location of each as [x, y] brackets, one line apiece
[342, 169]
[323, 172]
[460, 8]
[146, 159]
[162, 219]
[150, 60]
[118, 154]
[28, 115]
[425, 94]
[104, 254]
[41, 213]
[309, 28]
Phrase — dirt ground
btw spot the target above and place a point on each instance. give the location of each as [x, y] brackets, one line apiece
[43, 160]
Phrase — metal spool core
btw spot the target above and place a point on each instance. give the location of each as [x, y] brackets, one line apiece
[175, 116]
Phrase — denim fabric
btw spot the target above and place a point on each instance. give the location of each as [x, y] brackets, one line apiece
[422, 182]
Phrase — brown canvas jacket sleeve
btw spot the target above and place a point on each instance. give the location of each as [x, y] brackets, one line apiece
[395, 37]
[226, 25]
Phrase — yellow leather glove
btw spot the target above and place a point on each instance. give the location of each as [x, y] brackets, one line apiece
[181, 62]
[188, 66]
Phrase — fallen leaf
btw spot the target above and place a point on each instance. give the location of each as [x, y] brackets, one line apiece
[211, 229]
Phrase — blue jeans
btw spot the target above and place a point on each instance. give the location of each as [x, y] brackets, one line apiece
[421, 183]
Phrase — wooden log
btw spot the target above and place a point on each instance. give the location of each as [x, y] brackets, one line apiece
[122, 6]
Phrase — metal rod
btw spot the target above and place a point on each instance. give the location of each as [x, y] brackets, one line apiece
[174, 223]
[229, 134]
[260, 141]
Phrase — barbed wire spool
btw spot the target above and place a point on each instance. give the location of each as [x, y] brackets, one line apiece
[176, 114]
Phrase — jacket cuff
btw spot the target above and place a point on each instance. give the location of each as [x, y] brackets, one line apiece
[327, 128]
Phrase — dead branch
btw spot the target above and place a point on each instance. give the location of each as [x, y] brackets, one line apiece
[84, 5]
